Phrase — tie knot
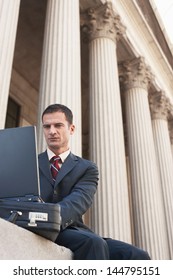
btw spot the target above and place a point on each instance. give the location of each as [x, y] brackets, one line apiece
[55, 158]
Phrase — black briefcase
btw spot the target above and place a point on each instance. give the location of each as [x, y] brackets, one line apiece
[41, 218]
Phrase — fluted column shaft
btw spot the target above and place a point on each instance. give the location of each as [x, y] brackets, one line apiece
[60, 73]
[9, 11]
[110, 214]
[148, 210]
[159, 109]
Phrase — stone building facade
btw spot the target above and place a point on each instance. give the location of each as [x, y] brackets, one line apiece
[111, 62]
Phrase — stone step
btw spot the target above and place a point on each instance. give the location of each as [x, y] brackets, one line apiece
[20, 244]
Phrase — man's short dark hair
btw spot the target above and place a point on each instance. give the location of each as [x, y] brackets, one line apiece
[59, 108]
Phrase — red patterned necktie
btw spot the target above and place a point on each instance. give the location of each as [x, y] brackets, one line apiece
[55, 166]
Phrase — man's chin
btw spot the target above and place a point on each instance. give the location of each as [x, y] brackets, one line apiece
[53, 146]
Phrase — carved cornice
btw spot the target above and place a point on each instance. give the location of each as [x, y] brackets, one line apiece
[135, 73]
[159, 105]
[102, 23]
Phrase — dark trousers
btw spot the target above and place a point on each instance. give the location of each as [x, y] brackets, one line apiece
[87, 245]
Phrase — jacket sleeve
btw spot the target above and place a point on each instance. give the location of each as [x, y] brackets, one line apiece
[75, 204]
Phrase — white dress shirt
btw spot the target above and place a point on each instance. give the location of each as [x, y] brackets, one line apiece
[62, 156]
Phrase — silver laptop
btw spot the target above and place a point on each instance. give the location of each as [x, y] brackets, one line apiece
[19, 179]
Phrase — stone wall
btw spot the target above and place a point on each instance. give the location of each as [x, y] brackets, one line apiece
[17, 243]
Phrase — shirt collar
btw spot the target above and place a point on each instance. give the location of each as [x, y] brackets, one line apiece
[63, 156]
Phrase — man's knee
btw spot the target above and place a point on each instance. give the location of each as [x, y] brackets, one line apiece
[98, 242]
[97, 247]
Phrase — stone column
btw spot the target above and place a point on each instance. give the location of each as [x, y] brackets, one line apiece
[148, 209]
[110, 214]
[159, 104]
[60, 72]
[9, 11]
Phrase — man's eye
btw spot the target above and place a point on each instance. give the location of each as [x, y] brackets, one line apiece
[58, 125]
[46, 126]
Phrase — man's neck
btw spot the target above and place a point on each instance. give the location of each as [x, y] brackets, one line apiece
[62, 155]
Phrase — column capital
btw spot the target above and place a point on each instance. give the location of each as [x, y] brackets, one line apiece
[170, 112]
[170, 126]
[170, 122]
[159, 105]
[135, 73]
[102, 22]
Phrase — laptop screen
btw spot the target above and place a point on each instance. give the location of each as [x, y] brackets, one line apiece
[18, 163]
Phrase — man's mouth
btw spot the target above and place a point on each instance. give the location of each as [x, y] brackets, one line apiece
[53, 139]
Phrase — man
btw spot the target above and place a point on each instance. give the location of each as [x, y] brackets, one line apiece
[73, 189]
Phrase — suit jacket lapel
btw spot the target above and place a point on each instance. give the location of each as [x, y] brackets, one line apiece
[67, 166]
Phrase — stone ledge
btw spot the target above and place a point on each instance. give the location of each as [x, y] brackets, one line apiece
[20, 244]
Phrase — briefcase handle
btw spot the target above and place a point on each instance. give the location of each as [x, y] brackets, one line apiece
[13, 216]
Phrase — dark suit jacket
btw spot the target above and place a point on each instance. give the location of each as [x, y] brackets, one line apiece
[74, 189]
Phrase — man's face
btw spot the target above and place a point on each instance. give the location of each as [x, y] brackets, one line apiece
[57, 132]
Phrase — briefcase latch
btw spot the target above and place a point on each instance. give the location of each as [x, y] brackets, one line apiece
[37, 216]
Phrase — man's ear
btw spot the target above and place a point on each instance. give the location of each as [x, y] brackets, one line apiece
[72, 129]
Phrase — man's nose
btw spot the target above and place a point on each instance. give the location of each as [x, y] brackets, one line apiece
[52, 129]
